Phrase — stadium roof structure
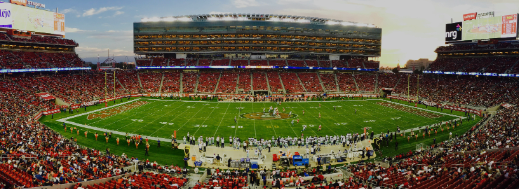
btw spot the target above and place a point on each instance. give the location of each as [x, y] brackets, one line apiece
[255, 17]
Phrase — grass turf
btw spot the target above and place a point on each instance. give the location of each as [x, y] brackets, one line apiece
[160, 118]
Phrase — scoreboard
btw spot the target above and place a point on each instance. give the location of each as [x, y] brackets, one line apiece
[20, 17]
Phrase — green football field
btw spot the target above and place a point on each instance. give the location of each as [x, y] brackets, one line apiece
[160, 118]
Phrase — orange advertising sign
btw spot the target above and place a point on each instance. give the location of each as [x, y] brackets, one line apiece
[19, 2]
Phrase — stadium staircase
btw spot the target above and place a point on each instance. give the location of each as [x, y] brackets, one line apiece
[282, 85]
[248, 62]
[321, 82]
[347, 64]
[167, 63]
[196, 84]
[211, 62]
[124, 88]
[485, 68]
[237, 84]
[161, 82]
[304, 62]
[218, 82]
[363, 65]
[512, 68]
[19, 59]
[356, 85]
[139, 79]
[197, 60]
[301, 83]
[268, 85]
[397, 82]
[376, 82]
[336, 82]
[227, 65]
[151, 63]
[251, 80]
[181, 86]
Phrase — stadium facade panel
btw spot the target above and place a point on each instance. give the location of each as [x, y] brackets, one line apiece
[301, 36]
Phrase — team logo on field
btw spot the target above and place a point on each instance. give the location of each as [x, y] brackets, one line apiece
[117, 110]
[267, 116]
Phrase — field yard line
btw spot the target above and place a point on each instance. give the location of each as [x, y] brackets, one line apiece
[371, 115]
[101, 109]
[135, 121]
[442, 122]
[271, 124]
[156, 120]
[115, 115]
[120, 119]
[170, 120]
[289, 125]
[190, 119]
[164, 100]
[236, 126]
[107, 130]
[205, 120]
[309, 128]
[403, 116]
[319, 119]
[254, 121]
[427, 110]
[221, 120]
[348, 121]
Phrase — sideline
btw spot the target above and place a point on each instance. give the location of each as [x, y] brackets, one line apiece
[65, 120]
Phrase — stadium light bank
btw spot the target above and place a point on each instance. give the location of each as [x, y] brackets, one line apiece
[254, 17]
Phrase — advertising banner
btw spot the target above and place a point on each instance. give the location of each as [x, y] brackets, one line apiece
[53, 111]
[45, 96]
[469, 16]
[74, 106]
[492, 27]
[37, 116]
[91, 103]
[509, 25]
[453, 31]
[6, 19]
[20, 17]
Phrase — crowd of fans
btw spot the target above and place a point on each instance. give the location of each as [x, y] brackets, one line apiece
[496, 64]
[52, 159]
[26, 59]
[259, 81]
[329, 81]
[38, 39]
[291, 82]
[473, 46]
[207, 81]
[228, 82]
[310, 81]
[485, 156]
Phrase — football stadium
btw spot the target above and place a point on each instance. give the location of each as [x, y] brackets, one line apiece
[249, 100]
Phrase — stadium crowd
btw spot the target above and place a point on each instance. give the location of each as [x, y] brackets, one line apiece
[52, 159]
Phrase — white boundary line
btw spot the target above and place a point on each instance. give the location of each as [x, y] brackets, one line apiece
[156, 120]
[65, 120]
[190, 119]
[221, 120]
[214, 108]
[134, 121]
[169, 120]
